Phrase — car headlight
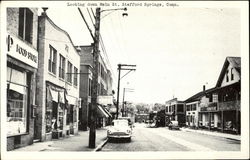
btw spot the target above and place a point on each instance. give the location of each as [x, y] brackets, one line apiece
[109, 132]
[128, 131]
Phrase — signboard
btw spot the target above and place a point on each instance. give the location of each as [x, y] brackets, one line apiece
[214, 108]
[105, 100]
[18, 49]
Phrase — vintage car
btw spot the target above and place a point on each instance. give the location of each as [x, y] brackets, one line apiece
[120, 129]
[173, 125]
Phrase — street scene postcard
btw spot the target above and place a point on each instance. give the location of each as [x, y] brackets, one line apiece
[124, 80]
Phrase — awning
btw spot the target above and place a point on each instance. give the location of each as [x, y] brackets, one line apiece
[71, 100]
[101, 113]
[107, 112]
[61, 97]
[54, 95]
[17, 88]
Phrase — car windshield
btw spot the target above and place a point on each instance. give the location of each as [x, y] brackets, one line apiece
[121, 123]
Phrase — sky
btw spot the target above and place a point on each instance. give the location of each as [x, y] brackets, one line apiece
[176, 50]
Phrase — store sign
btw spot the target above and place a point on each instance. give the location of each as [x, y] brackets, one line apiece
[105, 100]
[18, 49]
[209, 108]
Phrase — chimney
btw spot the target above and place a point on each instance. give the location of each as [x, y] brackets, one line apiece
[204, 88]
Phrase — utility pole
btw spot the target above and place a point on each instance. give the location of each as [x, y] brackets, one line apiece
[92, 131]
[118, 90]
[119, 78]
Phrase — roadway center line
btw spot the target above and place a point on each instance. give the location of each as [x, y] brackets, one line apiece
[192, 146]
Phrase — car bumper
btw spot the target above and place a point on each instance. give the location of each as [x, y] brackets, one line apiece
[119, 136]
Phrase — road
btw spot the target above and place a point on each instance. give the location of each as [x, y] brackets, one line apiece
[162, 139]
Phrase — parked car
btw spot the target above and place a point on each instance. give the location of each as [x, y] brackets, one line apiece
[130, 123]
[173, 125]
[120, 129]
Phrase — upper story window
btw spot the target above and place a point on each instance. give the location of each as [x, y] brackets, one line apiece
[232, 75]
[69, 74]
[75, 76]
[227, 78]
[62, 67]
[52, 59]
[25, 24]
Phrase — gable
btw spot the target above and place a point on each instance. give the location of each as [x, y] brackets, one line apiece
[230, 72]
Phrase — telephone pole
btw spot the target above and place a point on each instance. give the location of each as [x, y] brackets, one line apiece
[119, 78]
[92, 131]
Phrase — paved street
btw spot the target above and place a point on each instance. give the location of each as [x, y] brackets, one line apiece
[162, 139]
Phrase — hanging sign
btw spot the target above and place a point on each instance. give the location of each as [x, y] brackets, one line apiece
[18, 49]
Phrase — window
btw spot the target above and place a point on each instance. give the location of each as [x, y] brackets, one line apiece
[52, 60]
[215, 97]
[69, 74]
[193, 107]
[25, 24]
[180, 108]
[227, 79]
[90, 81]
[62, 67]
[75, 76]
[188, 107]
[17, 101]
[232, 75]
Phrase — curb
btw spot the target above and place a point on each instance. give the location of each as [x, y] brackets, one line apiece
[99, 147]
[226, 136]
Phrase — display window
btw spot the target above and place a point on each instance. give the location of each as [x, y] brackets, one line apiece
[17, 101]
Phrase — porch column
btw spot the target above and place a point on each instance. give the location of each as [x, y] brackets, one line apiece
[222, 121]
[209, 120]
[237, 121]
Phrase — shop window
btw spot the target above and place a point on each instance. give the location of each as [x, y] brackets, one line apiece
[52, 60]
[25, 24]
[17, 101]
[69, 72]
[62, 67]
[75, 76]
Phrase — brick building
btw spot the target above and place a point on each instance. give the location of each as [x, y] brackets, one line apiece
[104, 88]
[22, 63]
[57, 82]
[175, 110]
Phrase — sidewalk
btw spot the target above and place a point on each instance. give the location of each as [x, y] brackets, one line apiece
[78, 142]
[213, 133]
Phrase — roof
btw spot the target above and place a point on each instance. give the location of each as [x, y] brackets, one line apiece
[44, 15]
[199, 95]
[235, 62]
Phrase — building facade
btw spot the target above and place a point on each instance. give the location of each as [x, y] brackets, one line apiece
[220, 109]
[175, 111]
[57, 82]
[104, 87]
[22, 63]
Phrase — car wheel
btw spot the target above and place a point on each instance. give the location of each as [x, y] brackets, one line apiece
[129, 139]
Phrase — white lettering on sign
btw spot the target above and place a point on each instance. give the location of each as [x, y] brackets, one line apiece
[20, 50]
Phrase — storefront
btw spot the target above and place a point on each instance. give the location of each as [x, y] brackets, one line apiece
[55, 111]
[21, 69]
